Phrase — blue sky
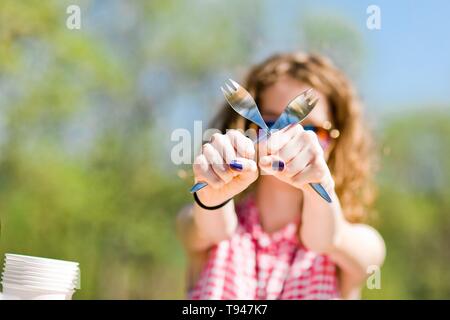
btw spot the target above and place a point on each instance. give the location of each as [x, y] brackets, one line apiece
[407, 62]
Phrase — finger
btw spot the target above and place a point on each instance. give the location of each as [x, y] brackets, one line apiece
[299, 162]
[279, 139]
[315, 172]
[243, 165]
[217, 163]
[309, 138]
[248, 173]
[243, 145]
[223, 145]
[272, 165]
[204, 172]
[292, 147]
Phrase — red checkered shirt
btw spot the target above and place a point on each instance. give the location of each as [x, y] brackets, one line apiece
[255, 265]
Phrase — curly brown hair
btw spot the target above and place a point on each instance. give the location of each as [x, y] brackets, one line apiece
[350, 160]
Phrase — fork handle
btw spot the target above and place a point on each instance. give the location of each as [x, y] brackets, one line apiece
[198, 186]
[321, 191]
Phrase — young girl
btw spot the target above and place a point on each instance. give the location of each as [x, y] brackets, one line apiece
[282, 240]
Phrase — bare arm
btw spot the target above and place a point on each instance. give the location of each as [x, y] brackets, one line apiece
[353, 247]
[227, 165]
[200, 229]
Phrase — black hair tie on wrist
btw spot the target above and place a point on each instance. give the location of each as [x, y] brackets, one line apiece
[197, 200]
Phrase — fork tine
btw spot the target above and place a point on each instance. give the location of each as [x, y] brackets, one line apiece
[310, 95]
[225, 92]
[312, 103]
[299, 100]
[230, 89]
[234, 83]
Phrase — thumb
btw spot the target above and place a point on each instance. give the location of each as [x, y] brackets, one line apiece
[243, 165]
[271, 164]
[247, 172]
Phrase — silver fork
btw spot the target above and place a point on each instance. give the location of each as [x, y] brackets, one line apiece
[244, 104]
[296, 111]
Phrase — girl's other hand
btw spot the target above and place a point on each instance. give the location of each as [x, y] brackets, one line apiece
[295, 156]
[227, 164]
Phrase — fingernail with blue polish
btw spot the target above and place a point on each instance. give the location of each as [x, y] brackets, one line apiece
[278, 165]
[236, 165]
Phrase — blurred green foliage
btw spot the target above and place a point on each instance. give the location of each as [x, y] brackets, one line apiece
[103, 199]
[414, 206]
[81, 174]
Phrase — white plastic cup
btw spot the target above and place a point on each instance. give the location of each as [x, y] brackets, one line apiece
[44, 266]
[42, 283]
[58, 296]
[44, 271]
[39, 260]
[53, 275]
[20, 292]
[39, 275]
[14, 276]
[41, 272]
[29, 278]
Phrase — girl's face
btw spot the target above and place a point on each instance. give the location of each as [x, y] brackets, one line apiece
[275, 98]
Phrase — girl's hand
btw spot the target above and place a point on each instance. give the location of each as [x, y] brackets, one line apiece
[227, 165]
[296, 157]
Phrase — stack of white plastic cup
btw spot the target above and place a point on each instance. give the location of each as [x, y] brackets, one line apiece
[33, 278]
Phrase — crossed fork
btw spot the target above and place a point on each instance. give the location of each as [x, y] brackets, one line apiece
[296, 111]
